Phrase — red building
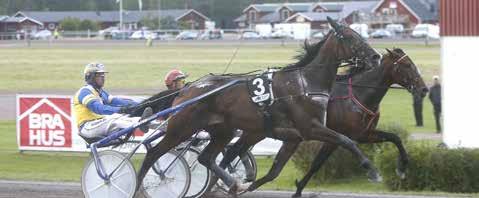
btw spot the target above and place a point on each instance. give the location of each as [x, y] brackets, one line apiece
[375, 13]
[14, 24]
[314, 13]
[406, 12]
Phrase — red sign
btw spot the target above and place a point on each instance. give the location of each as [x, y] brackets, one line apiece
[44, 121]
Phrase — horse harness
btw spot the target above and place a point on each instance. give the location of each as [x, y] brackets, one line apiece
[374, 115]
[260, 88]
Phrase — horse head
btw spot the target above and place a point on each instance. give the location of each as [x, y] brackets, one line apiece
[350, 47]
[404, 72]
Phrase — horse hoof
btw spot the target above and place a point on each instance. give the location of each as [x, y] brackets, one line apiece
[308, 195]
[374, 176]
[244, 187]
[401, 174]
[296, 195]
[239, 187]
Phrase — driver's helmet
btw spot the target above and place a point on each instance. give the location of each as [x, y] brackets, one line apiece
[173, 76]
[91, 69]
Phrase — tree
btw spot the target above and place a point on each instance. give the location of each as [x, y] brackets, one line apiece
[151, 22]
[89, 25]
[70, 24]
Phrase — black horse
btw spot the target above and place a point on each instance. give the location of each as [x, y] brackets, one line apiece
[354, 108]
[298, 114]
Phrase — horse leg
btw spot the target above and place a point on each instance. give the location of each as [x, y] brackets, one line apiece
[177, 132]
[240, 148]
[221, 136]
[167, 143]
[378, 136]
[291, 140]
[324, 152]
[322, 133]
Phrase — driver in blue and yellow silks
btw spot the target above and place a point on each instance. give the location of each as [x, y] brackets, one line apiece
[97, 113]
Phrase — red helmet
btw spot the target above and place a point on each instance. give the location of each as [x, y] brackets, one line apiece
[174, 75]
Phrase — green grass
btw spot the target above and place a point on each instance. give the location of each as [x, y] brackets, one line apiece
[135, 67]
[396, 107]
[35, 165]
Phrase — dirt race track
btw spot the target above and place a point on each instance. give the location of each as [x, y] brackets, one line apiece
[27, 189]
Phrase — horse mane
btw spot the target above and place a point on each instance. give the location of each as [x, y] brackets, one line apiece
[398, 50]
[308, 53]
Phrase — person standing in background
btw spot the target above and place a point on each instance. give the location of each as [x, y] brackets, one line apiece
[435, 97]
[417, 106]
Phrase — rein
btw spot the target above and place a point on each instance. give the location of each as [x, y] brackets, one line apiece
[148, 103]
[372, 87]
[399, 59]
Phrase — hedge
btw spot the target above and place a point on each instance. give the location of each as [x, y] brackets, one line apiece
[430, 167]
[434, 169]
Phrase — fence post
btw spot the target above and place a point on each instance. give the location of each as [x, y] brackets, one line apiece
[427, 37]
[88, 33]
[27, 38]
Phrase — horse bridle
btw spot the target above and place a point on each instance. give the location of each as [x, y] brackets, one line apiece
[404, 80]
[396, 70]
[355, 49]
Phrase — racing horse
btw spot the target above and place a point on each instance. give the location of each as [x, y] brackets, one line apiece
[298, 112]
[354, 108]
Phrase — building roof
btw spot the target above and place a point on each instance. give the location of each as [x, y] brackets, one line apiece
[331, 6]
[192, 11]
[315, 16]
[266, 7]
[339, 9]
[3, 17]
[297, 7]
[14, 19]
[362, 6]
[20, 20]
[307, 7]
[424, 9]
[241, 18]
[270, 18]
[104, 16]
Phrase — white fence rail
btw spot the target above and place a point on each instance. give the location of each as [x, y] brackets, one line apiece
[173, 34]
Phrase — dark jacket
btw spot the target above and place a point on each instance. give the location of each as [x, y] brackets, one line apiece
[435, 94]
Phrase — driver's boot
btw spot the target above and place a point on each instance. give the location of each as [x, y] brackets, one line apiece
[146, 113]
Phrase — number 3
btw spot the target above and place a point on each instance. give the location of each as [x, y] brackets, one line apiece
[258, 82]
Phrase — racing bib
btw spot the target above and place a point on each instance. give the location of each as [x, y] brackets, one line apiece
[260, 89]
